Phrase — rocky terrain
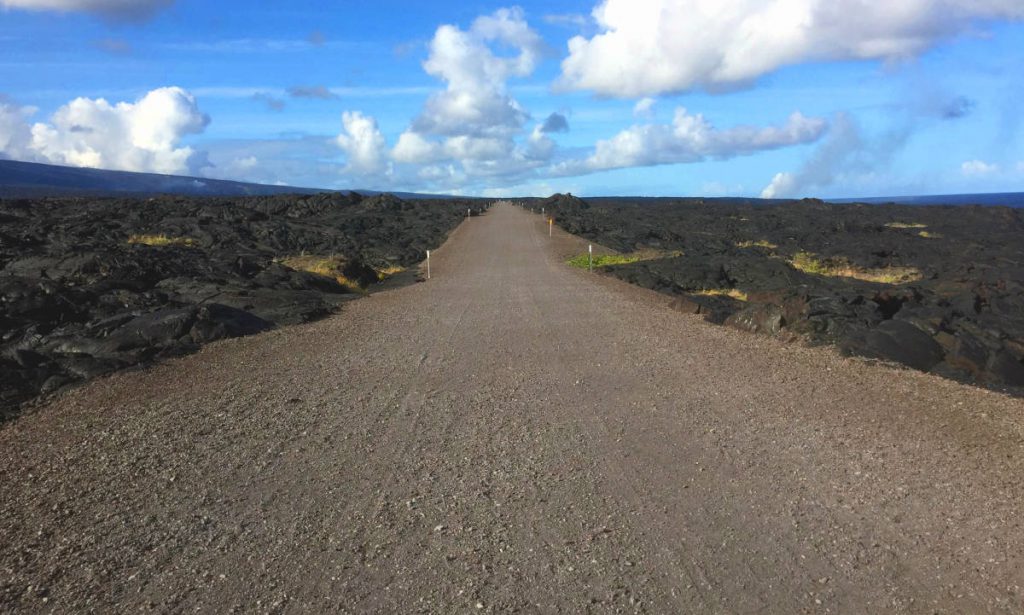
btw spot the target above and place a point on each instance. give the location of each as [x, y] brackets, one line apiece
[938, 289]
[91, 286]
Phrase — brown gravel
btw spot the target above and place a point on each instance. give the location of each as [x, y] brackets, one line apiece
[514, 435]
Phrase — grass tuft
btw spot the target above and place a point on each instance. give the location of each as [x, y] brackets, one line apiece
[734, 293]
[761, 243]
[328, 266]
[386, 272]
[161, 240]
[930, 235]
[610, 260]
[841, 268]
[914, 225]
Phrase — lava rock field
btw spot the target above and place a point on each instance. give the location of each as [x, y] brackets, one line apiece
[935, 288]
[92, 286]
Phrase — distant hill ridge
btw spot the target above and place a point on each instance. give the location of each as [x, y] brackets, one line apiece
[30, 179]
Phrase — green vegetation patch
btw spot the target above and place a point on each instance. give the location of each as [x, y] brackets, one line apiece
[610, 260]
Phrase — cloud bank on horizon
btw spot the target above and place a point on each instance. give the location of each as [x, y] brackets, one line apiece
[114, 9]
[476, 132]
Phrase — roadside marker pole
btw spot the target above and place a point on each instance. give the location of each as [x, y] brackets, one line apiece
[590, 258]
[428, 264]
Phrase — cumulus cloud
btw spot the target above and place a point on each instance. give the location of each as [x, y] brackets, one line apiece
[143, 136]
[363, 143]
[846, 155]
[15, 132]
[475, 101]
[691, 138]
[978, 168]
[474, 125]
[670, 46]
[113, 9]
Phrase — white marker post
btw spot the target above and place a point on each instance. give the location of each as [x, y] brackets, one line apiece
[467, 213]
[428, 264]
[590, 258]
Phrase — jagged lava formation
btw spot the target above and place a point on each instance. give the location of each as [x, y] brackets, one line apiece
[91, 286]
[934, 288]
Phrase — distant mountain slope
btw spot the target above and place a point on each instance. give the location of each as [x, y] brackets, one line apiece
[1008, 199]
[29, 179]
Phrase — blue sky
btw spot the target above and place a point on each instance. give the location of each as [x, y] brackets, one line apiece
[827, 98]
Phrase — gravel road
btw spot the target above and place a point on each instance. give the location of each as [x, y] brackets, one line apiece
[514, 436]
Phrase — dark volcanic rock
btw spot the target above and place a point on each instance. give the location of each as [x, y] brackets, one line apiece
[961, 315]
[758, 318]
[896, 340]
[91, 286]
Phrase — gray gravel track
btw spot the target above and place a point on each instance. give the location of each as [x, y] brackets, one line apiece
[514, 436]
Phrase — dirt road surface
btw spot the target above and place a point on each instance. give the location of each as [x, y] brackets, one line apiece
[514, 436]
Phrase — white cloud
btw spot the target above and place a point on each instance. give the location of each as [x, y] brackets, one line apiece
[363, 142]
[413, 148]
[474, 125]
[782, 185]
[15, 133]
[116, 9]
[847, 156]
[475, 101]
[691, 138]
[667, 46]
[142, 136]
[644, 107]
[978, 168]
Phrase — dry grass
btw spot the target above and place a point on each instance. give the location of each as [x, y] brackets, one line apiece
[386, 272]
[161, 240]
[914, 225]
[761, 243]
[930, 235]
[841, 268]
[734, 293]
[328, 266]
[609, 260]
